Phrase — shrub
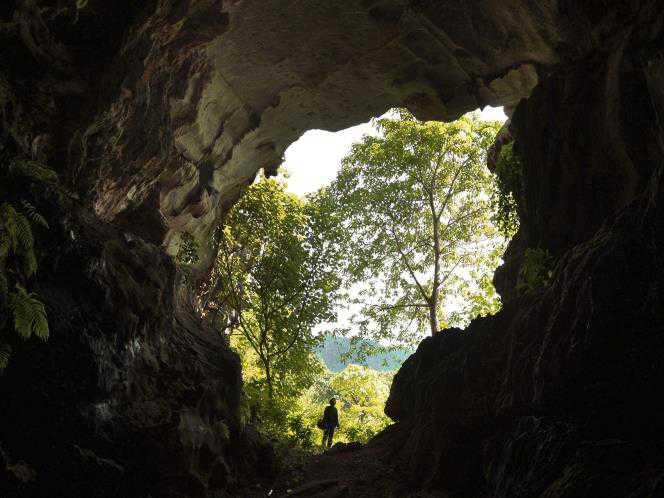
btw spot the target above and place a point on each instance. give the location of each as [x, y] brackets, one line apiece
[18, 259]
[509, 184]
[536, 270]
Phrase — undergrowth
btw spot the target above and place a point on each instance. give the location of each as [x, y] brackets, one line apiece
[509, 184]
[22, 313]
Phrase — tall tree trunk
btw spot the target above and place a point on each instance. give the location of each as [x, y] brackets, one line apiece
[433, 317]
[268, 379]
[433, 302]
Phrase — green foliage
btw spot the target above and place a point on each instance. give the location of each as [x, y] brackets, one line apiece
[18, 258]
[509, 185]
[300, 432]
[33, 171]
[33, 214]
[301, 394]
[188, 251]
[413, 207]
[273, 282]
[480, 297]
[29, 314]
[275, 413]
[360, 386]
[16, 236]
[361, 394]
[222, 429]
[409, 217]
[536, 270]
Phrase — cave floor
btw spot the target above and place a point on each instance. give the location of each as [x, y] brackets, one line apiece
[344, 470]
[349, 470]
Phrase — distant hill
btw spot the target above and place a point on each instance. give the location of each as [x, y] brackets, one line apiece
[334, 347]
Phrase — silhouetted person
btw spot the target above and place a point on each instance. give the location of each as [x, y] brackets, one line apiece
[330, 422]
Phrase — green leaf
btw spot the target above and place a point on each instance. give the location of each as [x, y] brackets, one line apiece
[33, 170]
[16, 235]
[5, 244]
[535, 271]
[188, 251]
[29, 314]
[29, 263]
[23, 233]
[274, 280]
[509, 186]
[40, 322]
[8, 216]
[33, 214]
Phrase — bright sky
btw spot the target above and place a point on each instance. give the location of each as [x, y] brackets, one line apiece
[313, 160]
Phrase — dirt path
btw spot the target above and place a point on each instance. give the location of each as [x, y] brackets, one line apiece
[353, 470]
[345, 470]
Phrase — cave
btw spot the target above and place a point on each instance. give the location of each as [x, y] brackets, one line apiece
[155, 114]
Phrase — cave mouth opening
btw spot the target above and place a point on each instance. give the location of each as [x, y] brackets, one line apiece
[346, 353]
[314, 160]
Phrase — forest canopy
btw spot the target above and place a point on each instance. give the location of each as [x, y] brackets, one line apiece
[419, 241]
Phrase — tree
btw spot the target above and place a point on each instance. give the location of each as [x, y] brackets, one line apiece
[361, 386]
[272, 281]
[361, 393]
[414, 203]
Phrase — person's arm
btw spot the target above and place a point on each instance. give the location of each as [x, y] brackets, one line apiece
[336, 413]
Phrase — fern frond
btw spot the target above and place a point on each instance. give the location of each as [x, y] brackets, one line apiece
[8, 220]
[5, 353]
[33, 214]
[29, 261]
[40, 323]
[5, 244]
[20, 307]
[16, 234]
[24, 232]
[29, 314]
[26, 242]
[33, 170]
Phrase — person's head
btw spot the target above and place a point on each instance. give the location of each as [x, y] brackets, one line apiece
[333, 401]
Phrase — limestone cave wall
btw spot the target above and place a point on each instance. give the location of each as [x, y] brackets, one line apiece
[552, 396]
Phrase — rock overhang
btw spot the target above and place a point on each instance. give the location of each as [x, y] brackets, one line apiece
[246, 79]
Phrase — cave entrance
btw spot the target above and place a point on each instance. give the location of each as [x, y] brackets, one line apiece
[312, 163]
[346, 349]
